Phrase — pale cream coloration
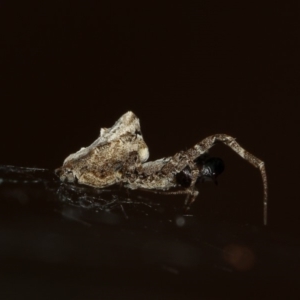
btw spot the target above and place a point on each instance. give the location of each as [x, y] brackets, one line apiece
[101, 164]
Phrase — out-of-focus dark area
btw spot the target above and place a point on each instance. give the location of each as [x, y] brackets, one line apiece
[187, 70]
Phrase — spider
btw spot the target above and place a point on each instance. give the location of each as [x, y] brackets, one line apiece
[120, 155]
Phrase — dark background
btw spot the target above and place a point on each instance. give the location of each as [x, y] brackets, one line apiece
[187, 70]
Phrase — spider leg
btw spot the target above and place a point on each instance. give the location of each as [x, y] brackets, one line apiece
[179, 192]
[204, 145]
[191, 194]
[190, 198]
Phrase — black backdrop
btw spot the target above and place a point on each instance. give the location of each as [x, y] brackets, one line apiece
[186, 69]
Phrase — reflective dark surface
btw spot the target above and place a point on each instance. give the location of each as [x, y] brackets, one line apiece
[79, 242]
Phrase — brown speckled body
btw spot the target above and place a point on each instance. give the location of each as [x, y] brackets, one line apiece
[104, 162]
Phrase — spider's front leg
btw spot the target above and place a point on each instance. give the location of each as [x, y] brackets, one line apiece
[210, 141]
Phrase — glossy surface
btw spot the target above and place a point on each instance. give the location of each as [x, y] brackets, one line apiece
[87, 242]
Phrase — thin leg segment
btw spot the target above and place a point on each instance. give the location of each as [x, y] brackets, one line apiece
[210, 141]
[189, 199]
